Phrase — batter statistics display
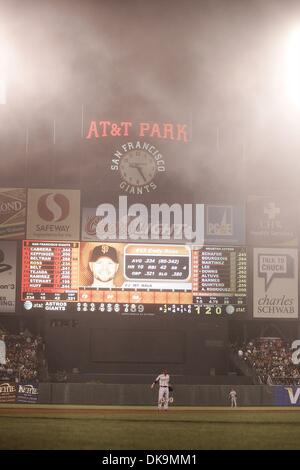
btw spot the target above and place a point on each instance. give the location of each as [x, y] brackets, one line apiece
[133, 279]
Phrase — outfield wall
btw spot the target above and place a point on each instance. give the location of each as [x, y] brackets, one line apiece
[140, 394]
[107, 344]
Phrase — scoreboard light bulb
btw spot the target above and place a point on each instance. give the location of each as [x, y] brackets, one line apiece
[230, 309]
[28, 305]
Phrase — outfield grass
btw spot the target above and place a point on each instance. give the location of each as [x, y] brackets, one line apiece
[141, 428]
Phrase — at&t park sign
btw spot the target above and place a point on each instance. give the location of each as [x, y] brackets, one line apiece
[165, 130]
[136, 160]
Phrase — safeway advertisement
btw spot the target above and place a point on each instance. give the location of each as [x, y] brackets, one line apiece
[53, 214]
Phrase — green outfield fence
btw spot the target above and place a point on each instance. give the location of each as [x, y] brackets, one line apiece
[141, 394]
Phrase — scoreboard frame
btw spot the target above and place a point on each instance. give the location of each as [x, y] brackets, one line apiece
[140, 295]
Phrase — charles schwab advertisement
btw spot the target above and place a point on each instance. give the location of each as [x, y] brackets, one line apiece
[275, 283]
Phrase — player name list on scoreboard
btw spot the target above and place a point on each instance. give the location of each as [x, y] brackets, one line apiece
[219, 271]
[50, 270]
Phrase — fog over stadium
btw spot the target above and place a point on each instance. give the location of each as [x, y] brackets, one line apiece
[149, 224]
[217, 66]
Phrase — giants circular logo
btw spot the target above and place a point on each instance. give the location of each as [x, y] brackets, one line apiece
[138, 163]
[53, 207]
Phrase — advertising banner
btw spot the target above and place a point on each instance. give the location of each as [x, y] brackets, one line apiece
[27, 392]
[8, 276]
[2, 352]
[8, 392]
[53, 214]
[89, 223]
[224, 224]
[12, 213]
[275, 283]
[286, 395]
[271, 221]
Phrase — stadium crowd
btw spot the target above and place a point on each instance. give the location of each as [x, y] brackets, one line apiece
[271, 360]
[24, 356]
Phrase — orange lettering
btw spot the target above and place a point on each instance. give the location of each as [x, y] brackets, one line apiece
[155, 131]
[93, 130]
[181, 132]
[144, 126]
[105, 124]
[126, 125]
[168, 131]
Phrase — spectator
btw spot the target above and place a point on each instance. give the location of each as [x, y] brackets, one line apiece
[22, 357]
[271, 358]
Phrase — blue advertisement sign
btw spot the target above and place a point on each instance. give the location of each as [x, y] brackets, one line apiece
[224, 224]
[27, 392]
[272, 221]
[286, 395]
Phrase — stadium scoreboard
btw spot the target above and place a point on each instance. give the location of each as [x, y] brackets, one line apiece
[150, 279]
[50, 270]
[220, 278]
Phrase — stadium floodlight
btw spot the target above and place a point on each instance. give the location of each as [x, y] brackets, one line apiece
[2, 74]
[292, 66]
[7, 65]
[3, 70]
[2, 91]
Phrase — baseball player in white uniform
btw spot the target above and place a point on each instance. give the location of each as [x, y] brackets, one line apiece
[232, 396]
[163, 393]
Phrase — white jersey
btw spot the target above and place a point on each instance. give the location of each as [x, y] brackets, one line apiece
[232, 394]
[163, 380]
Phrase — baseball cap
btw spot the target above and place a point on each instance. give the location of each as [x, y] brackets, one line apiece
[104, 250]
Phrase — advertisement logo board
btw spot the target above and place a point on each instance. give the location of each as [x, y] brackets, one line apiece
[224, 224]
[275, 283]
[53, 214]
[12, 213]
[8, 276]
[271, 221]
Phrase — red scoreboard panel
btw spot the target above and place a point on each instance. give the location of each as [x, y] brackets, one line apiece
[147, 278]
[50, 270]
